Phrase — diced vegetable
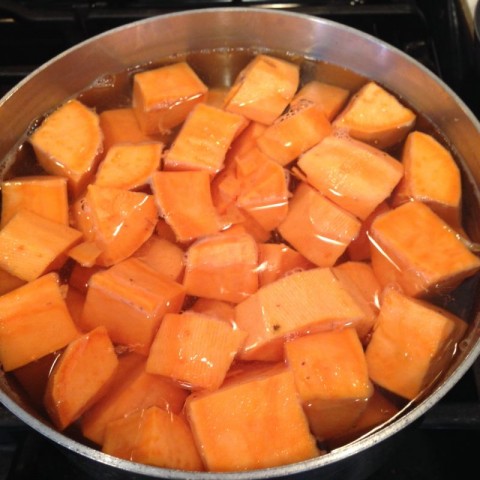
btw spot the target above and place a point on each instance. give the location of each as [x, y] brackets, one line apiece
[204, 140]
[132, 389]
[342, 169]
[317, 228]
[263, 89]
[153, 437]
[129, 166]
[416, 249]
[411, 343]
[68, 143]
[222, 267]
[185, 202]
[80, 376]
[298, 303]
[431, 176]
[118, 221]
[194, 349]
[31, 245]
[215, 308]
[331, 377]
[376, 117]
[130, 299]
[43, 195]
[34, 321]
[163, 97]
[329, 97]
[232, 426]
[299, 129]
[9, 282]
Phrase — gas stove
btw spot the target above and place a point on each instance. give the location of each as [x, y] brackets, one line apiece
[437, 33]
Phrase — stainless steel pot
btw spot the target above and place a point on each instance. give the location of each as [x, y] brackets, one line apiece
[152, 39]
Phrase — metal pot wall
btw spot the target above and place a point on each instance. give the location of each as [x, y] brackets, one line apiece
[156, 38]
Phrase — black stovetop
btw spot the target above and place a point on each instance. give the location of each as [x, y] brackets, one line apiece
[447, 439]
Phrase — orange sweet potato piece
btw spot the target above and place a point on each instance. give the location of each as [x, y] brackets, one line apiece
[411, 344]
[85, 253]
[68, 143]
[129, 166]
[431, 176]
[80, 377]
[331, 98]
[263, 189]
[331, 377]
[360, 248]
[31, 245]
[185, 201]
[232, 426]
[344, 170]
[80, 276]
[132, 389]
[194, 349]
[75, 300]
[304, 301]
[222, 267]
[246, 140]
[163, 97]
[34, 321]
[43, 195]
[130, 299]
[204, 140]
[375, 116]
[296, 131]
[120, 125]
[164, 230]
[263, 89]
[276, 260]
[9, 282]
[215, 308]
[164, 256]
[360, 280]
[318, 228]
[413, 247]
[153, 437]
[118, 221]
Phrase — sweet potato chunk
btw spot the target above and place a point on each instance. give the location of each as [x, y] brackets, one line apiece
[164, 256]
[194, 349]
[232, 426]
[34, 321]
[299, 129]
[154, 437]
[129, 166]
[204, 140]
[344, 170]
[318, 228]
[222, 267]
[215, 308]
[85, 253]
[31, 245]
[43, 195]
[263, 189]
[118, 221]
[263, 89]
[9, 282]
[120, 125]
[132, 389]
[413, 247]
[431, 176]
[68, 143]
[130, 299]
[185, 201]
[80, 377]
[329, 97]
[375, 116]
[276, 260]
[304, 301]
[163, 97]
[411, 344]
[331, 377]
[360, 280]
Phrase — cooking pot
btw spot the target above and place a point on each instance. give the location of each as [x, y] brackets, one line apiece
[152, 39]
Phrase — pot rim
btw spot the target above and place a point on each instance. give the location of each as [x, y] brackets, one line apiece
[455, 373]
